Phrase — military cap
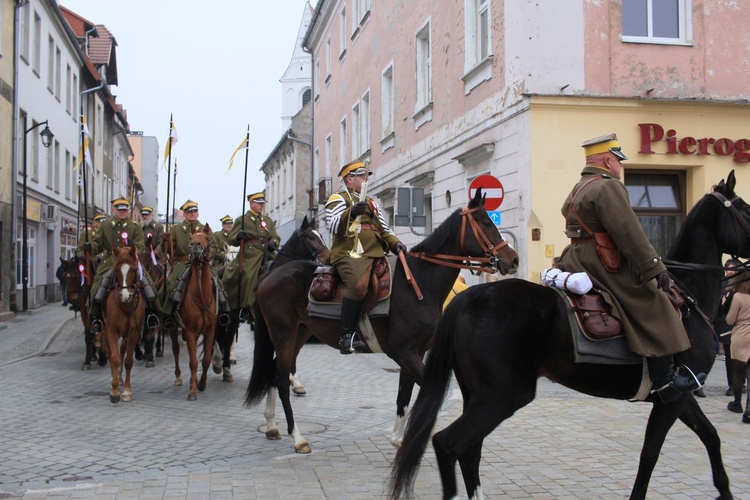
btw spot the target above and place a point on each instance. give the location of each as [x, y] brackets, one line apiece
[226, 219]
[189, 206]
[354, 168]
[146, 210]
[604, 144]
[100, 218]
[257, 197]
[120, 203]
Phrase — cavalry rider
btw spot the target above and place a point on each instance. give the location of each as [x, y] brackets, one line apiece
[344, 210]
[600, 204]
[88, 237]
[152, 232]
[116, 232]
[177, 242]
[219, 240]
[256, 235]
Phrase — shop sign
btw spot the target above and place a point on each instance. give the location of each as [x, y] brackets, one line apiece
[653, 133]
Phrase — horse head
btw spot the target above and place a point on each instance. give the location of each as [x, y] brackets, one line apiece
[127, 273]
[313, 246]
[486, 240]
[199, 244]
[734, 224]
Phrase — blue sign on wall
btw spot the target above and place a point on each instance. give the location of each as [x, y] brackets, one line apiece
[495, 216]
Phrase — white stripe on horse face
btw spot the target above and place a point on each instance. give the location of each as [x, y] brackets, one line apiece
[125, 293]
[316, 233]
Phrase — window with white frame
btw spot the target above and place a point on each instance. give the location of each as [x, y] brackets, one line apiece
[34, 154]
[355, 131]
[657, 21]
[364, 119]
[99, 124]
[56, 167]
[342, 32]
[316, 164]
[364, 9]
[478, 41]
[68, 88]
[58, 70]
[74, 98]
[50, 166]
[388, 103]
[68, 188]
[328, 59]
[424, 63]
[51, 64]
[342, 142]
[355, 17]
[37, 61]
[317, 78]
[25, 31]
[329, 140]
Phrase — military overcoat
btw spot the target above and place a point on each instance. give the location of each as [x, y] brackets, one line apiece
[180, 247]
[108, 238]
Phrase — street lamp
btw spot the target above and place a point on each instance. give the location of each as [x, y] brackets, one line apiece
[47, 136]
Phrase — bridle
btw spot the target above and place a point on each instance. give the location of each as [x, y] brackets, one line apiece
[487, 264]
[312, 254]
[133, 296]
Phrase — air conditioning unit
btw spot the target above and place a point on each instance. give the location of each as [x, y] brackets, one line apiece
[51, 213]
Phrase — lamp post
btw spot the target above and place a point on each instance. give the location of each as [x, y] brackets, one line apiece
[47, 136]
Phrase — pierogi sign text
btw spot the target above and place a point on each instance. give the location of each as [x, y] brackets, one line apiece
[652, 133]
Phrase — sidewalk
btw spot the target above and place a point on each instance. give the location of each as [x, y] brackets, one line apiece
[30, 332]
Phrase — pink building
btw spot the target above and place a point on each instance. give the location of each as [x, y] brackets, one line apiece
[435, 94]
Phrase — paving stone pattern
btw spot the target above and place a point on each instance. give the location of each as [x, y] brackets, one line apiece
[62, 438]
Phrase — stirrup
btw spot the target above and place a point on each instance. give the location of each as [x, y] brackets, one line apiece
[152, 321]
[244, 315]
[96, 330]
[223, 319]
[349, 343]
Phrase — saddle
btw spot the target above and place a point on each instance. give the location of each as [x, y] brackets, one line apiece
[327, 287]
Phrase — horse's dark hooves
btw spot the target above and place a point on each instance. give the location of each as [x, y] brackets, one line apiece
[114, 399]
[101, 360]
[150, 363]
[86, 365]
[192, 397]
[159, 354]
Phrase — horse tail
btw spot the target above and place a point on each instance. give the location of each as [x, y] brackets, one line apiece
[264, 364]
[422, 417]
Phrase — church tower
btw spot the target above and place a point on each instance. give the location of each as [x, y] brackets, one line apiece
[296, 84]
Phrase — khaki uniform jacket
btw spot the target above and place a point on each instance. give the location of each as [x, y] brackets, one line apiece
[88, 236]
[179, 238]
[739, 317]
[218, 253]
[261, 230]
[652, 326]
[109, 237]
[376, 237]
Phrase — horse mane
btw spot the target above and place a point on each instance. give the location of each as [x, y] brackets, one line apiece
[445, 231]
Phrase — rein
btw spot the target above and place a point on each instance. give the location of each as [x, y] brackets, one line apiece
[478, 264]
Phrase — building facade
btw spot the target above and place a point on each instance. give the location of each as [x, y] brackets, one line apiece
[435, 95]
[7, 173]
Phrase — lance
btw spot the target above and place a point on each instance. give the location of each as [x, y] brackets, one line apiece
[86, 235]
[242, 227]
[174, 185]
[168, 242]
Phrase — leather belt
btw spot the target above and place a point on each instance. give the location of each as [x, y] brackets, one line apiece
[585, 239]
[256, 241]
[370, 227]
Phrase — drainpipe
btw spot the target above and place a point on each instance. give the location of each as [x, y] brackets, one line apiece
[15, 155]
[86, 38]
[312, 122]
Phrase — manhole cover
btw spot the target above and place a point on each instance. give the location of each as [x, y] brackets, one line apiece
[304, 428]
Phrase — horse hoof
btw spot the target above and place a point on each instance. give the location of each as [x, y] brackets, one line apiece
[217, 369]
[303, 448]
[86, 366]
[178, 381]
[150, 364]
[299, 391]
[159, 354]
[201, 387]
[114, 399]
[138, 355]
[127, 398]
[101, 360]
[273, 434]
[227, 376]
[192, 397]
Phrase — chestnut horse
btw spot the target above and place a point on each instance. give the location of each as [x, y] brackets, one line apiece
[284, 325]
[485, 338]
[197, 314]
[77, 292]
[124, 309]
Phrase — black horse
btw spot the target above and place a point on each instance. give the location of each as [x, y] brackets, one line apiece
[485, 334]
[305, 243]
[284, 325]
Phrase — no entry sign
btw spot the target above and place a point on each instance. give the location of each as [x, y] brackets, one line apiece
[492, 187]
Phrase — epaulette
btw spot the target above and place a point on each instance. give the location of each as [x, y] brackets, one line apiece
[335, 197]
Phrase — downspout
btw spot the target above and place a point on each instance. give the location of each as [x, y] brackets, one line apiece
[16, 112]
[86, 39]
[312, 123]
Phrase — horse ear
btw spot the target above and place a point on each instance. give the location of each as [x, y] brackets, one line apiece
[207, 229]
[305, 224]
[477, 200]
[731, 182]
[62, 261]
[133, 252]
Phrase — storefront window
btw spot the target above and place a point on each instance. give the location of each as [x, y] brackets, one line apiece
[656, 199]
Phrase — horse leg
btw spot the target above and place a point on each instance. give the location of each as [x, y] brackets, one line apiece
[176, 353]
[192, 347]
[129, 346]
[696, 420]
[114, 365]
[88, 339]
[283, 370]
[405, 389]
[208, 341]
[148, 346]
[297, 387]
[272, 430]
[469, 463]
[661, 419]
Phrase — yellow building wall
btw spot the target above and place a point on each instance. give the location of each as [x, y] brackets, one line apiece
[560, 124]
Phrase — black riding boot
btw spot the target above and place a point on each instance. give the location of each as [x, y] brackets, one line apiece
[349, 340]
[668, 383]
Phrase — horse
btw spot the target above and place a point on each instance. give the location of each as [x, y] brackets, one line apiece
[123, 319]
[77, 292]
[157, 272]
[305, 243]
[284, 325]
[485, 334]
[198, 313]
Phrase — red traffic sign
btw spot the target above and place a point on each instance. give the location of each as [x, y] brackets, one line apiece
[492, 187]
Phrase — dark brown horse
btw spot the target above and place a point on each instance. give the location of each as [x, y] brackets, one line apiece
[197, 314]
[149, 337]
[124, 309]
[485, 334]
[77, 291]
[283, 325]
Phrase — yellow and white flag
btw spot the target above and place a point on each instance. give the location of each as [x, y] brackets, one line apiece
[84, 153]
[170, 142]
[245, 144]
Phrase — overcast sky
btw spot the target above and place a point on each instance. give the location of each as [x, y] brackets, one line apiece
[216, 67]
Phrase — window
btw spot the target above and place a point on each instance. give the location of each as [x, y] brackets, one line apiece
[657, 21]
[342, 142]
[50, 167]
[37, 62]
[355, 131]
[25, 31]
[31, 246]
[34, 152]
[477, 32]
[68, 188]
[317, 79]
[328, 156]
[316, 164]
[657, 199]
[328, 59]
[364, 120]
[51, 64]
[342, 32]
[364, 9]
[306, 95]
[355, 17]
[74, 98]
[99, 124]
[68, 88]
[58, 63]
[424, 63]
[388, 102]
[56, 166]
